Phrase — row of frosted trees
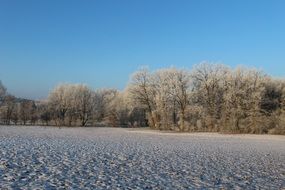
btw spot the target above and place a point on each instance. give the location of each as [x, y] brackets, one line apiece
[71, 105]
[76, 104]
[210, 97]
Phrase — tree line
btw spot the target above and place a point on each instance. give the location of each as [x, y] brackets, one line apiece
[209, 97]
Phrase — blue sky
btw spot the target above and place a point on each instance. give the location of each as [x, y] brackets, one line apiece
[100, 43]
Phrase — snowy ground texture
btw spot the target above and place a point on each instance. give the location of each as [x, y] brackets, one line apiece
[108, 158]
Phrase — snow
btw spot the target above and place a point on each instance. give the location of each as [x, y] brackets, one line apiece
[113, 158]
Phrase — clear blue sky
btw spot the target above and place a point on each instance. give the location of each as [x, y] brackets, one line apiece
[100, 43]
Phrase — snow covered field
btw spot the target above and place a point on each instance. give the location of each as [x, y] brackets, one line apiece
[109, 158]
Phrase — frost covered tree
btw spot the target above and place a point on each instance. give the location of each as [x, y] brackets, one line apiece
[83, 103]
[2, 95]
[172, 88]
[26, 111]
[7, 109]
[243, 98]
[3, 91]
[117, 111]
[273, 106]
[103, 97]
[59, 102]
[121, 112]
[272, 97]
[181, 84]
[281, 126]
[209, 84]
[142, 91]
[165, 113]
[44, 113]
